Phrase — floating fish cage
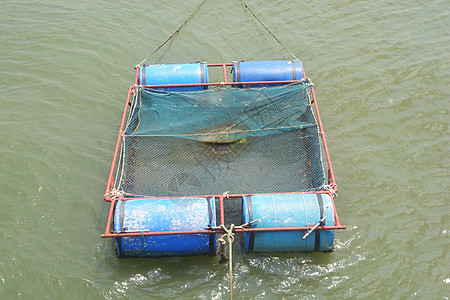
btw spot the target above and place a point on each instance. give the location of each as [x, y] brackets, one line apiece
[194, 157]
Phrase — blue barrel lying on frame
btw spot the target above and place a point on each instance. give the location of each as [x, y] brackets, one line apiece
[247, 71]
[168, 214]
[288, 210]
[175, 74]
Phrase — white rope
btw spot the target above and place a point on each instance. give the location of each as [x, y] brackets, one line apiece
[114, 194]
[330, 188]
[122, 162]
[228, 237]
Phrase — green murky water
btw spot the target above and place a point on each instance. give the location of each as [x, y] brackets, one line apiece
[382, 76]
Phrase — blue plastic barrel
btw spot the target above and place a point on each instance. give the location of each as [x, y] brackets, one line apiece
[247, 71]
[288, 210]
[158, 215]
[175, 74]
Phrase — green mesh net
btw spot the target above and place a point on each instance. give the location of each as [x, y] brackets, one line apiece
[220, 116]
[236, 140]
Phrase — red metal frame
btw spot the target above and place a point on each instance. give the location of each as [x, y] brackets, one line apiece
[110, 183]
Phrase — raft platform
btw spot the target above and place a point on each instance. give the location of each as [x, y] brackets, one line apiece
[195, 158]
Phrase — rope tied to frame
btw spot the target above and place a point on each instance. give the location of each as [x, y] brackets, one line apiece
[228, 236]
[115, 194]
[331, 189]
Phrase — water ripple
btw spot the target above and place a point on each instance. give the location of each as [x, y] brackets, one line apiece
[381, 73]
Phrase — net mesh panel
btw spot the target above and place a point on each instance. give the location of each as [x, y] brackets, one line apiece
[219, 116]
[232, 207]
[209, 142]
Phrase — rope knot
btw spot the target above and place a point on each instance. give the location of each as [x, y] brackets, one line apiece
[114, 194]
[228, 235]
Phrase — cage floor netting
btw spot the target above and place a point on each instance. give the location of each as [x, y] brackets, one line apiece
[235, 140]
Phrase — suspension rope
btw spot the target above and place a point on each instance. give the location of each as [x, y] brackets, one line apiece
[265, 27]
[173, 34]
[229, 236]
[193, 14]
